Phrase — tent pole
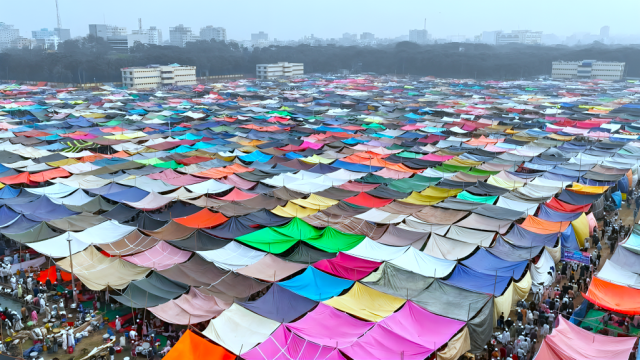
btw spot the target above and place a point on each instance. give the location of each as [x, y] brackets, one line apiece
[73, 282]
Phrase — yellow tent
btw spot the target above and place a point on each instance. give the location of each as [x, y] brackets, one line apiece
[587, 189]
[366, 303]
[315, 202]
[581, 228]
[292, 210]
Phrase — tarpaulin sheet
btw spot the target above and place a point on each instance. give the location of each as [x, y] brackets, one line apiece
[151, 291]
[466, 278]
[381, 343]
[543, 273]
[485, 262]
[451, 301]
[284, 344]
[420, 326]
[97, 271]
[43, 208]
[449, 249]
[510, 252]
[522, 237]
[271, 268]
[202, 219]
[366, 303]
[578, 199]
[330, 327]
[190, 308]
[618, 275]
[316, 285]
[347, 267]
[549, 214]
[232, 256]
[571, 342]
[626, 259]
[468, 235]
[424, 264]
[280, 305]
[614, 297]
[562, 206]
[544, 227]
[223, 284]
[51, 274]
[456, 347]
[581, 228]
[160, 257]
[238, 328]
[193, 347]
[394, 280]
[375, 251]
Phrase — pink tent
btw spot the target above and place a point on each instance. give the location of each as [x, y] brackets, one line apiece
[571, 342]
[420, 326]
[190, 308]
[347, 266]
[330, 327]
[160, 257]
[382, 343]
[286, 345]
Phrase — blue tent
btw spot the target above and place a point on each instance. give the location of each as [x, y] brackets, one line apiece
[469, 279]
[522, 237]
[487, 263]
[280, 304]
[547, 213]
[316, 285]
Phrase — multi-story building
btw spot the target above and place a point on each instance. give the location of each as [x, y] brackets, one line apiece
[22, 43]
[604, 32]
[7, 35]
[63, 34]
[151, 35]
[418, 36]
[180, 35]
[104, 31]
[281, 69]
[367, 36]
[519, 37]
[587, 69]
[156, 76]
[261, 36]
[45, 38]
[209, 32]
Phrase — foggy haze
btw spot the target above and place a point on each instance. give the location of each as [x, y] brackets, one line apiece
[293, 19]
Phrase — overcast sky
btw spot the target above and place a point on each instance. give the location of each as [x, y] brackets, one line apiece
[293, 19]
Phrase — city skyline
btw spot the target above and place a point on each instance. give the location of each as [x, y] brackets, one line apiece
[466, 24]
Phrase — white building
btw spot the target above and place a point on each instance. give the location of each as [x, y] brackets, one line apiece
[156, 76]
[151, 35]
[419, 36]
[104, 31]
[587, 69]
[519, 37]
[281, 69]
[7, 35]
[47, 39]
[180, 35]
[217, 33]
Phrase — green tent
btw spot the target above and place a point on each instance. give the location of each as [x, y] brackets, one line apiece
[415, 183]
[480, 199]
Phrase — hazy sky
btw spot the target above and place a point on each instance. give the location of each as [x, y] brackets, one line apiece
[292, 19]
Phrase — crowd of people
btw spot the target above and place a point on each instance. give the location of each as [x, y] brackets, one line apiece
[520, 333]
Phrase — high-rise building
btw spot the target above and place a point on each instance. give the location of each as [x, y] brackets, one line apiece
[7, 35]
[63, 34]
[519, 37]
[104, 31]
[47, 39]
[604, 31]
[418, 36]
[587, 69]
[152, 35]
[180, 35]
[367, 36]
[209, 32]
[261, 36]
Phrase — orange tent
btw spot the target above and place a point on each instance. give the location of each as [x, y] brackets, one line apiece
[540, 226]
[613, 297]
[50, 274]
[193, 347]
[202, 219]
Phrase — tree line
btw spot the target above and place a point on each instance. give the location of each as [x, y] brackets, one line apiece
[90, 59]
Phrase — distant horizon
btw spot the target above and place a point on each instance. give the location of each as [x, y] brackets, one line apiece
[465, 18]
